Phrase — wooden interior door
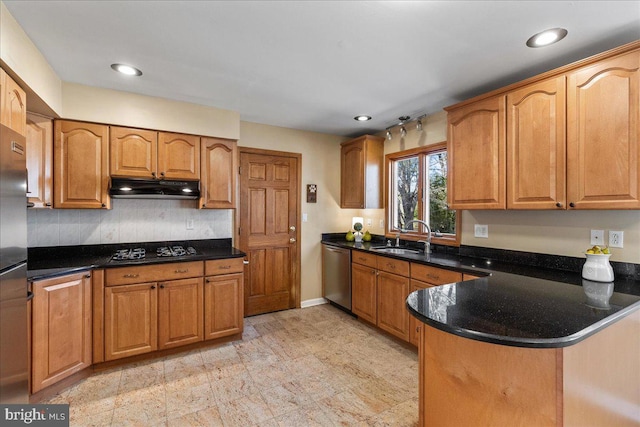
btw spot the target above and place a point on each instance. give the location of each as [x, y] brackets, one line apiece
[269, 229]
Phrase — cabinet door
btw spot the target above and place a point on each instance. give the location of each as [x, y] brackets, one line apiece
[415, 324]
[130, 320]
[361, 173]
[81, 165]
[603, 134]
[62, 345]
[223, 305]
[134, 152]
[14, 105]
[178, 156]
[363, 292]
[536, 146]
[180, 319]
[476, 149]
[352, 175]
[39, 160]
[393, 317]
[219, 172]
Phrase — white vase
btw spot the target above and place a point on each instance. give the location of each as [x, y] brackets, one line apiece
[597, 268]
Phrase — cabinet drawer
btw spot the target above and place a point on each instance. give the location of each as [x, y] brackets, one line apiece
[434, 275]
[363, 258]
[153, 273]
[394, 266]
[223, 266]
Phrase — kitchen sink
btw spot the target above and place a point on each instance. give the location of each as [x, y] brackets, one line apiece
[394, 250]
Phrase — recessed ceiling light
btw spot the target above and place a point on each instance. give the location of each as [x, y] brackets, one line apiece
[362, 118]
[126, 69]
[547, 37]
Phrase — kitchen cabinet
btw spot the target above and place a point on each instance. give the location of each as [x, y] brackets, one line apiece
[14, 104]
[180, 315]
[81, 165]
[603, 134]
[219, 171]
[573, 140]
[140, 316]
[223, 298]
[536, 146]
[476, 151]
[393, 289]
[39, 160]
[178, 156]
[133, 152]
[61, 328]
[426, 276]
[364, 295]
[361, 173]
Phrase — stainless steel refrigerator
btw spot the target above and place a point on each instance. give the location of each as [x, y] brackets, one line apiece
[13, 268]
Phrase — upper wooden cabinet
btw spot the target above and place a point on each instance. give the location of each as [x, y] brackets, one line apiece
[134, 152]
[178, 156]
[476, 151]
[361, 166]
[39, 160]
[536, 146]
[13, 104]
[572, 140]
[218, 173]
[603, 136]
[81, 165]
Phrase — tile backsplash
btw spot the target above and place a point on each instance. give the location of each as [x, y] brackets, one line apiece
[129, 220]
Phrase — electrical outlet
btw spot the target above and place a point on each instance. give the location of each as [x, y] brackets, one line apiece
[382, 223]
[369, 222]
[616, 239]
[305, 218]
[190, 224]
[481, 230]
[597, 237]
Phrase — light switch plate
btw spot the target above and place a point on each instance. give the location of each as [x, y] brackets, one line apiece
[190, 224]
[597, 237]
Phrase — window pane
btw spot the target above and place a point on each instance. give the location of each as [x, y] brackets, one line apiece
[406, 191]
[441, 219]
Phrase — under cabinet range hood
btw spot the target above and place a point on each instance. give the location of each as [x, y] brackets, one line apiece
[129, 188]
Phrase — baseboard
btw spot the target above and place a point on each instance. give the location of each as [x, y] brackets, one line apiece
[312, 302]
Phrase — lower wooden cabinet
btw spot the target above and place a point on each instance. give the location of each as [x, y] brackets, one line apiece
[364, 296]
[393, 317]
[180, 317]
[223, 298]
[61, 328]
[130, 320]
[414, 324]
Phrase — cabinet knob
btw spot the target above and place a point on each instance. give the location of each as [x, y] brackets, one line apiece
[161, 173]
[162, 286]
[558, 205]
[153, 174]
[207, 280]
[153, 287]
[48, 205]
[204, 205]
[573, 205]
[245, 262]
[87, 276]
[104, 206]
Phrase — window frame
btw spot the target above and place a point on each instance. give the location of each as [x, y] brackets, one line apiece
[390, 230]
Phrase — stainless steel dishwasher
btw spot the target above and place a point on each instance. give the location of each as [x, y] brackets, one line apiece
[336, 275]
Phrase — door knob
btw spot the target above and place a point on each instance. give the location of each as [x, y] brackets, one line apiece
[292, 240]
[292, 228]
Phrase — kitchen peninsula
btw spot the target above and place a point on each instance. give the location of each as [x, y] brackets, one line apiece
[523, 345]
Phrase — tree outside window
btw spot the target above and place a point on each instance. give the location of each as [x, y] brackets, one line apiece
[417, 189]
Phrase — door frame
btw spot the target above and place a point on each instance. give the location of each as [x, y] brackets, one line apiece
[236, 231]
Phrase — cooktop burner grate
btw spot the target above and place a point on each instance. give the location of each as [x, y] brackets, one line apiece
[127, 254]
[168, 251]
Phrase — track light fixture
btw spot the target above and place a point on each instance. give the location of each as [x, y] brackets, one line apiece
[389, 136]
[402, 121]
[403, 131]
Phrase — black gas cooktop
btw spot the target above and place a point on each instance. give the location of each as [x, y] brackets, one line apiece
[130, 254]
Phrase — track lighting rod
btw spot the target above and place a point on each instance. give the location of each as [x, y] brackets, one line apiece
[403, 120]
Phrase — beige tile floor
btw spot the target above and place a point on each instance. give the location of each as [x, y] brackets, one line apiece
[307, 367]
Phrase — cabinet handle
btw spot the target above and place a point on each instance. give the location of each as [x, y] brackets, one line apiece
[391, 266]
[573, 205]
[224, 267]
[558, 205]
[48, 204]
[153, 287]
[245, 262]
[131, 276]
[433, 276]
[182, 271]
[87, 276]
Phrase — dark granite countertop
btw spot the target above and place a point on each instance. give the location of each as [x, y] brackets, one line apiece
[46, 262]
[514, 304]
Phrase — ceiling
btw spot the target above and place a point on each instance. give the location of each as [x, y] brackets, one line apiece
[314, 65]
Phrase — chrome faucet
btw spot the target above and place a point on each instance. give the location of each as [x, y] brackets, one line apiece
[427, 243]
[397, 240]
